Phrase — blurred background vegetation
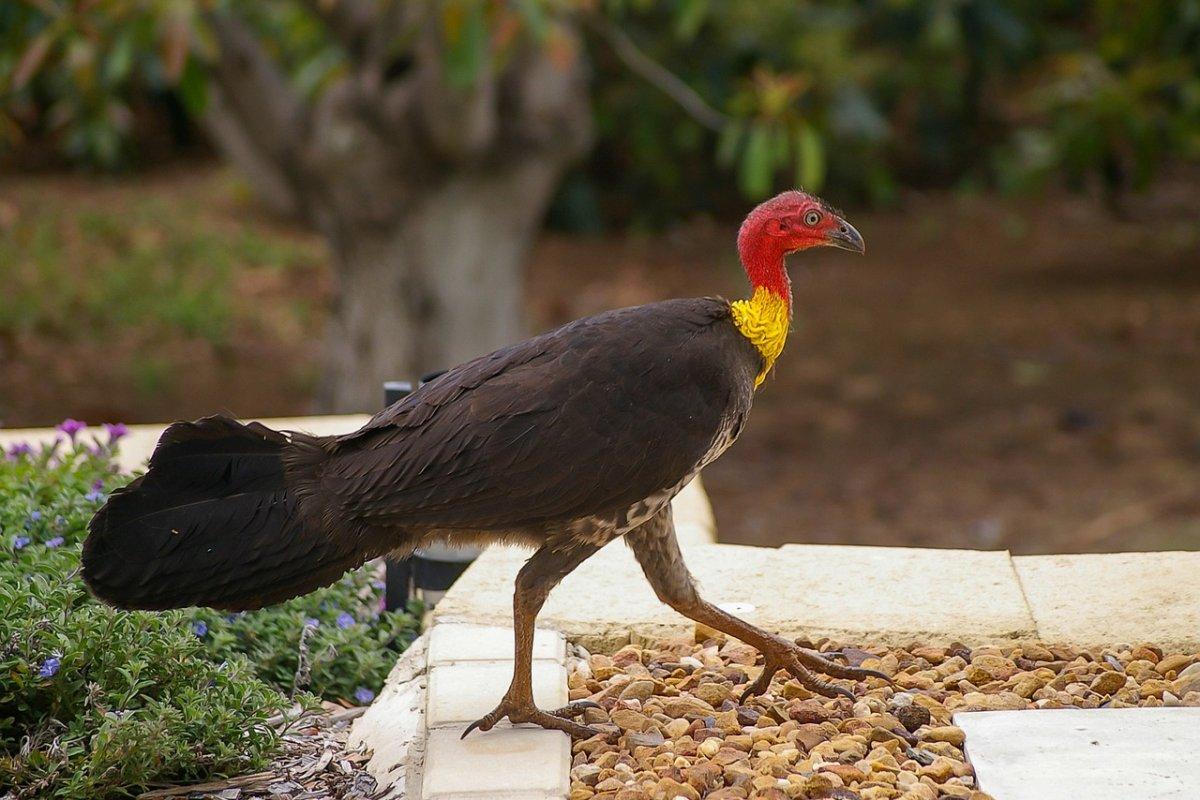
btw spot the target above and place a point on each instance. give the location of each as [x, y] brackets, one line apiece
[859, 97]
[1013, 364]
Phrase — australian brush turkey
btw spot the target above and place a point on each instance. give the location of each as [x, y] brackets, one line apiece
[563, 442]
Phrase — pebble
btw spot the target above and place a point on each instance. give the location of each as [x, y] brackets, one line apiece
[913, 716]
[950, 734]
[683, 733]
[638, 690]
[1108, 682]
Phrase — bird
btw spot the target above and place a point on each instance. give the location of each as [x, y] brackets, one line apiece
[563, 442]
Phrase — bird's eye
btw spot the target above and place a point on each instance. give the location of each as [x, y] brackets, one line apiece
[812, 218]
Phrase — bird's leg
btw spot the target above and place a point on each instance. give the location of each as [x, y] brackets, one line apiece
[541, 573]
[656, 549]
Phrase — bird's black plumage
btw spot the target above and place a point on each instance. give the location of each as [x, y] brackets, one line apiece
[564, 441]
[583, 431]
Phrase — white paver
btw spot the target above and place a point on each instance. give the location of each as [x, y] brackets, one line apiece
[888, 595]
[1098, 754]
[1102, 600]
[462, 693]
[449, 643]
[500, 764]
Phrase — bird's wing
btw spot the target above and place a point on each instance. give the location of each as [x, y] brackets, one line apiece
[591, 417]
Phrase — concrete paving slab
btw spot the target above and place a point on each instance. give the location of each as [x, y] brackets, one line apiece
[461, 693]
[1099, 754]
[450, 643]
[1102, 600]
[877, 594]
[496, 764]
[893, 595]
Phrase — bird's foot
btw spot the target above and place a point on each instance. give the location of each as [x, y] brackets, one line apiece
[561, 719]
[802, 663]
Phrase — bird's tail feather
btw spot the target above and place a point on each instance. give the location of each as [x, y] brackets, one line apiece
[217, 521]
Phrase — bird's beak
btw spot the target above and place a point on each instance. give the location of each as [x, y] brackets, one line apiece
[845, 237]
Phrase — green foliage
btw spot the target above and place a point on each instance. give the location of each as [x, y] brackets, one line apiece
[862, 94]
[96, 702]
[351, 644]
[870, 95]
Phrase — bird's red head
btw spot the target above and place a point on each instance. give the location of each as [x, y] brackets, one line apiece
[784, 224]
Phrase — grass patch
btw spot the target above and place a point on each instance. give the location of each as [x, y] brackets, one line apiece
[163, 268]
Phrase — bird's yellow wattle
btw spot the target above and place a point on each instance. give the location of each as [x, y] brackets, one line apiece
[764, 319]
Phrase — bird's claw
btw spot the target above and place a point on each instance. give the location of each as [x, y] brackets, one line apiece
[802, 663]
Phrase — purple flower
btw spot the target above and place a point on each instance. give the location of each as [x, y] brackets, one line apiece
[20, 542]
[94, 496]
[71, 427]
[35, 516]
[49, 667]
[345, 620]
[200, 628]
[115, 431]
[57, 541]
[380, 585]
[312, 622]
[20, 449]
[363, 695]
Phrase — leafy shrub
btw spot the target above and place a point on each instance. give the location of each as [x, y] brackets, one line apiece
[96, 702]
[350, 643]
[93, 700]
[866, 95]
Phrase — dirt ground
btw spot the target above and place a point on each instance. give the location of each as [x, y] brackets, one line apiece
[993, 373]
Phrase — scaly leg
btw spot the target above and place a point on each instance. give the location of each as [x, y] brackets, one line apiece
[541, 573]
[657, 550]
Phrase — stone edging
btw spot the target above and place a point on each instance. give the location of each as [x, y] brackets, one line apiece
[890, 596]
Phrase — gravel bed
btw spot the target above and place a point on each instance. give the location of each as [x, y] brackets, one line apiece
[682, 733]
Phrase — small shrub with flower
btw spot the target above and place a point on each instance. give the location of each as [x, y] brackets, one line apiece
[97, 702]
[350, 642]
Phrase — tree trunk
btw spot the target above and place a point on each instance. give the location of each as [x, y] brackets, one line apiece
[441, 287]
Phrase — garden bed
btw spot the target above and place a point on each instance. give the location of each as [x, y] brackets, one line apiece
[314, 762]
[680, 731]
[97, 702]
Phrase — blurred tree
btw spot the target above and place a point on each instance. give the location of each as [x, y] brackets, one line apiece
[425, 138]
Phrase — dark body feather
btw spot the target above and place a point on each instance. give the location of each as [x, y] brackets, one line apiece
[581, 433]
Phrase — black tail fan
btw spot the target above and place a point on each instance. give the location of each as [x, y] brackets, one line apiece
[213, 522]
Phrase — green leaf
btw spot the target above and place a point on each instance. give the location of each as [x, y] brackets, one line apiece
[690, 18]
[729, 142]
[119, 60]
[464, 26]
[810, 158]
[193, 87]
[780, 146]
[534, 17]
[757, 167]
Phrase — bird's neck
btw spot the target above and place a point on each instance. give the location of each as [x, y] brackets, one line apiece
[765, 318]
